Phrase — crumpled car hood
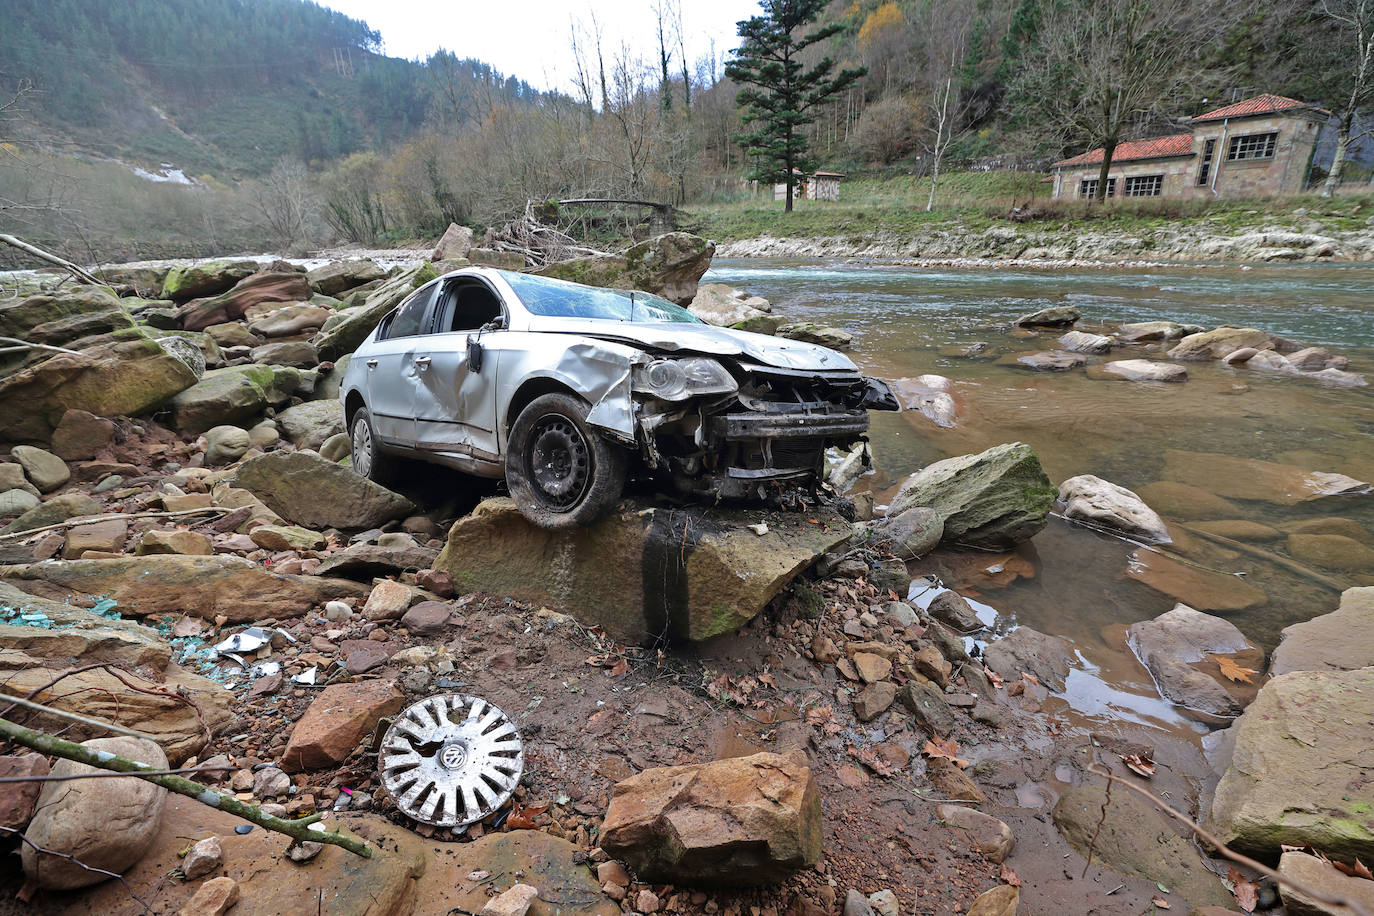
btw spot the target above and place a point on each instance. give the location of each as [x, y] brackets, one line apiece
[705, 338]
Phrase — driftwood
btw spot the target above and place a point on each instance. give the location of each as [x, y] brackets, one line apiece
[298, 829]
[80, 274]
[1270, 557]
[541, 245]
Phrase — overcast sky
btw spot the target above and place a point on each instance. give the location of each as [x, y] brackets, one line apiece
[529, 38]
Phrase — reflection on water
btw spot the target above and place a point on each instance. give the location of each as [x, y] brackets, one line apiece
[908, 321]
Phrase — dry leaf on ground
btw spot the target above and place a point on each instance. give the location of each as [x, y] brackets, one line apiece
[1232, 671]
[944, 749]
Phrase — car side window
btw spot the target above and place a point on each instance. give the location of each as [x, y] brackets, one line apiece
[469, 305]
[408, 317]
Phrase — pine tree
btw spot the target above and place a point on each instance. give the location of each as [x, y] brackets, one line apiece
[780, 93]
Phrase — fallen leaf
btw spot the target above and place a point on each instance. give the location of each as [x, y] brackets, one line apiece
[1231, 671]
[870, 760]
[1358, 870]
[1031, 678]
[945, 749]
[621, 667]
[1010, 877]
[1139, 764]
[1161, 902]
[893, 595]
[993, 677]
[768, 679]
[522, 818]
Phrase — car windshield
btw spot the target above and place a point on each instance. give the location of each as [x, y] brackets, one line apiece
[560, 299]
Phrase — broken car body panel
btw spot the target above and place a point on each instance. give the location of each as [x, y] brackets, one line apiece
[722, 412]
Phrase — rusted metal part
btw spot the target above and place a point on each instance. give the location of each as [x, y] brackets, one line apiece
[451, 760]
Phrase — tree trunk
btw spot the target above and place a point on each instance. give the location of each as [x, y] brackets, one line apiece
[1107, 150]
[1333, 178]
[934, 177]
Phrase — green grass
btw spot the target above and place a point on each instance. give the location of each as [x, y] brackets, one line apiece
[974, 201]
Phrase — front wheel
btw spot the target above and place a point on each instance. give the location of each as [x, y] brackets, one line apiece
[561, 474]
[367, 456]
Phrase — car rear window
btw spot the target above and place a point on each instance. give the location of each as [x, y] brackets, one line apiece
[560, 299]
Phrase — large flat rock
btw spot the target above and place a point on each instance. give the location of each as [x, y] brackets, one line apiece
[1325, 643]
[1300, 771]
[307, 490]
[644, 573]
[1250, 478]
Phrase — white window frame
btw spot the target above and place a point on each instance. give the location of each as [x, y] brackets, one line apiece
[1087, 187]
[1155, 187]
[1249, 147]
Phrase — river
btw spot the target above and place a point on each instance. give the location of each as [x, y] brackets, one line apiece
[1078, 584]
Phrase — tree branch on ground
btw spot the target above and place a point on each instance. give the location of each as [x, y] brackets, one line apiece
[81, 275]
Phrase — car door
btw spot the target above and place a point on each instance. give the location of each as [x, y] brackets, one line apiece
[391, 369]
[455, 382]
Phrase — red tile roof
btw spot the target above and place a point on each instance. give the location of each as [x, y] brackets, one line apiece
[1259, 105]
[1156, 148]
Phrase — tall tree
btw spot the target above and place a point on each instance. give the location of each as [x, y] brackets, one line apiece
[780, 92]
[1092, 71]
[1354, 21]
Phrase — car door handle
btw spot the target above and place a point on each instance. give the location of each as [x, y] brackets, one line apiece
[372, 364]
[422, 362]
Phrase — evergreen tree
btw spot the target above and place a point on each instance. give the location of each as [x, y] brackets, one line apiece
[780, 92]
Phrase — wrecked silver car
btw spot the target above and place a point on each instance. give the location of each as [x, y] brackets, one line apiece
[566, 390]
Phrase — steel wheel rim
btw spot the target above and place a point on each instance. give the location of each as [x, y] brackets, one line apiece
[362, 447]
[559, 462]
[451, 760]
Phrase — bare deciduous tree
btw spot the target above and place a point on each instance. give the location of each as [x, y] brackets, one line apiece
[1354, 20]
[285, 202]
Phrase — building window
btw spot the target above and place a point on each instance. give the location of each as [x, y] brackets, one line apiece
[1088, 187]
[1252, 146]
[1204, 172]
[1144, 185]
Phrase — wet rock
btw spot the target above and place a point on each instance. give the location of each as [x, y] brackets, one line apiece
[723, 306]
[117, 379]
[19, 799]
[989, 836]
[1219, 343]
[1299, 772]
[874, 700]
[343, 332]
[232, 395]
[204, 857]
[255, 289]
[80, 435]
[1343, 526]
[719, 574]
[213, 898]
[1100, 502]
[1032, 652]
[1332, 551]
[184, 543]
[1196, 587]
[1135, 838]
[927, 703]
[1057, 316]
[951, 608]
[996, 498]
[1310, 871]
[667, 265]
[810, 332]
[226, 444]
[1051, 361]
[1249, 478]
[1145, 370]
[1324, 644]
[106, 823]
[306, 490]
[1179, 500]
[1239, 530]
[208, 279]
[308, 425]
[912, 533]
[739, 821]
[1079, 342]
[932, 396]
[1175, 646]
[336, 721]
[236, 588]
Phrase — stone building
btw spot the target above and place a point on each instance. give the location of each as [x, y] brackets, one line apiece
[1258, 147]
[816, 186]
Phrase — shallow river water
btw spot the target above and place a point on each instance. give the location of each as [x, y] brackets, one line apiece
[1083, 585]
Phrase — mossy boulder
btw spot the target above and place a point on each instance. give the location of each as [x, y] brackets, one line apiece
[668, 265]
[343, 332]
[208, 279]
[1300, 771]
[18, 317]
[996, 498]
[230, 395]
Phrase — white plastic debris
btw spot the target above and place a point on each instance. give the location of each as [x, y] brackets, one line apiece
[307, 676]
[249, 640]
[760, 529]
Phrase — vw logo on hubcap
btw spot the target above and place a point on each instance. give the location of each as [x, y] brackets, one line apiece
[453, 756]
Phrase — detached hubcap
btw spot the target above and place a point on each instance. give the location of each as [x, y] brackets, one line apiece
[560, 462]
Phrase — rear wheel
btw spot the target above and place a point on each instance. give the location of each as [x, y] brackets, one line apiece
[368, 458]
[560, 473]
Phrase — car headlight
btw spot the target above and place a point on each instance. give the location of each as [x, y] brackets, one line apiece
[677, 379]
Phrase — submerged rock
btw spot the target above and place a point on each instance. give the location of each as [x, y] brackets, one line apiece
[1029, 651]
[1324, 643]
[642, 572]
[738, 821]
[1101, 502]
[1250, 478]
[1052, 361]
[1175, 648]
[1299, 774]
[996, 498]
[1196, 587]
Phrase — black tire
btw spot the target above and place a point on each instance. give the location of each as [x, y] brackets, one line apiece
[366, 454]
[560, 473]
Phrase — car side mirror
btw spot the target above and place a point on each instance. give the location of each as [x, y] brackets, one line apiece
[475, 353]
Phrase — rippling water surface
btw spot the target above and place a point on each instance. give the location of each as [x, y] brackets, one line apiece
[912, 321]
